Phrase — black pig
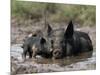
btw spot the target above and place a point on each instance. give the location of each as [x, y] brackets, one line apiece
[35, 45]
[70, 42]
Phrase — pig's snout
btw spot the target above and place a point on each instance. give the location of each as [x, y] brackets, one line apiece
[57, 53]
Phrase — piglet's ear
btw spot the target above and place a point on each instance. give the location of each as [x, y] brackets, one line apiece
[69, 31]
[42, 40]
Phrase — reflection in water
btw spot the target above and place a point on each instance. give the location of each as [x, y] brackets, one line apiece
[65, 61]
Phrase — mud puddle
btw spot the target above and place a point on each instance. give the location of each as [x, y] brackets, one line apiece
[85, 61]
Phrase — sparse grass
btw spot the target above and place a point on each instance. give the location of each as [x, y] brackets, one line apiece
[82, 14]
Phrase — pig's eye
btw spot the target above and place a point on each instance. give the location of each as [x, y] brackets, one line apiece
[62, 43]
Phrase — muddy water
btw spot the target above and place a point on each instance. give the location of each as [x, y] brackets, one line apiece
[85, 61]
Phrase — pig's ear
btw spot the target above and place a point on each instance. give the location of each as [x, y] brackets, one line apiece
[49, 30]
[69, 31]
[42, 40]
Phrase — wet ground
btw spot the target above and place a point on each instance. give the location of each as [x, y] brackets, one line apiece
[85, 61]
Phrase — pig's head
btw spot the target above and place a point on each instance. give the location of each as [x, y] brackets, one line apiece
[61, 41]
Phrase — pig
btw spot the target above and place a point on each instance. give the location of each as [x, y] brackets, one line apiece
[70, 42]
[35, 45]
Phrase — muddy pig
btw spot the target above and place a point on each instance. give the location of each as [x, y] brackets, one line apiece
[35, 45]
[69, 42]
